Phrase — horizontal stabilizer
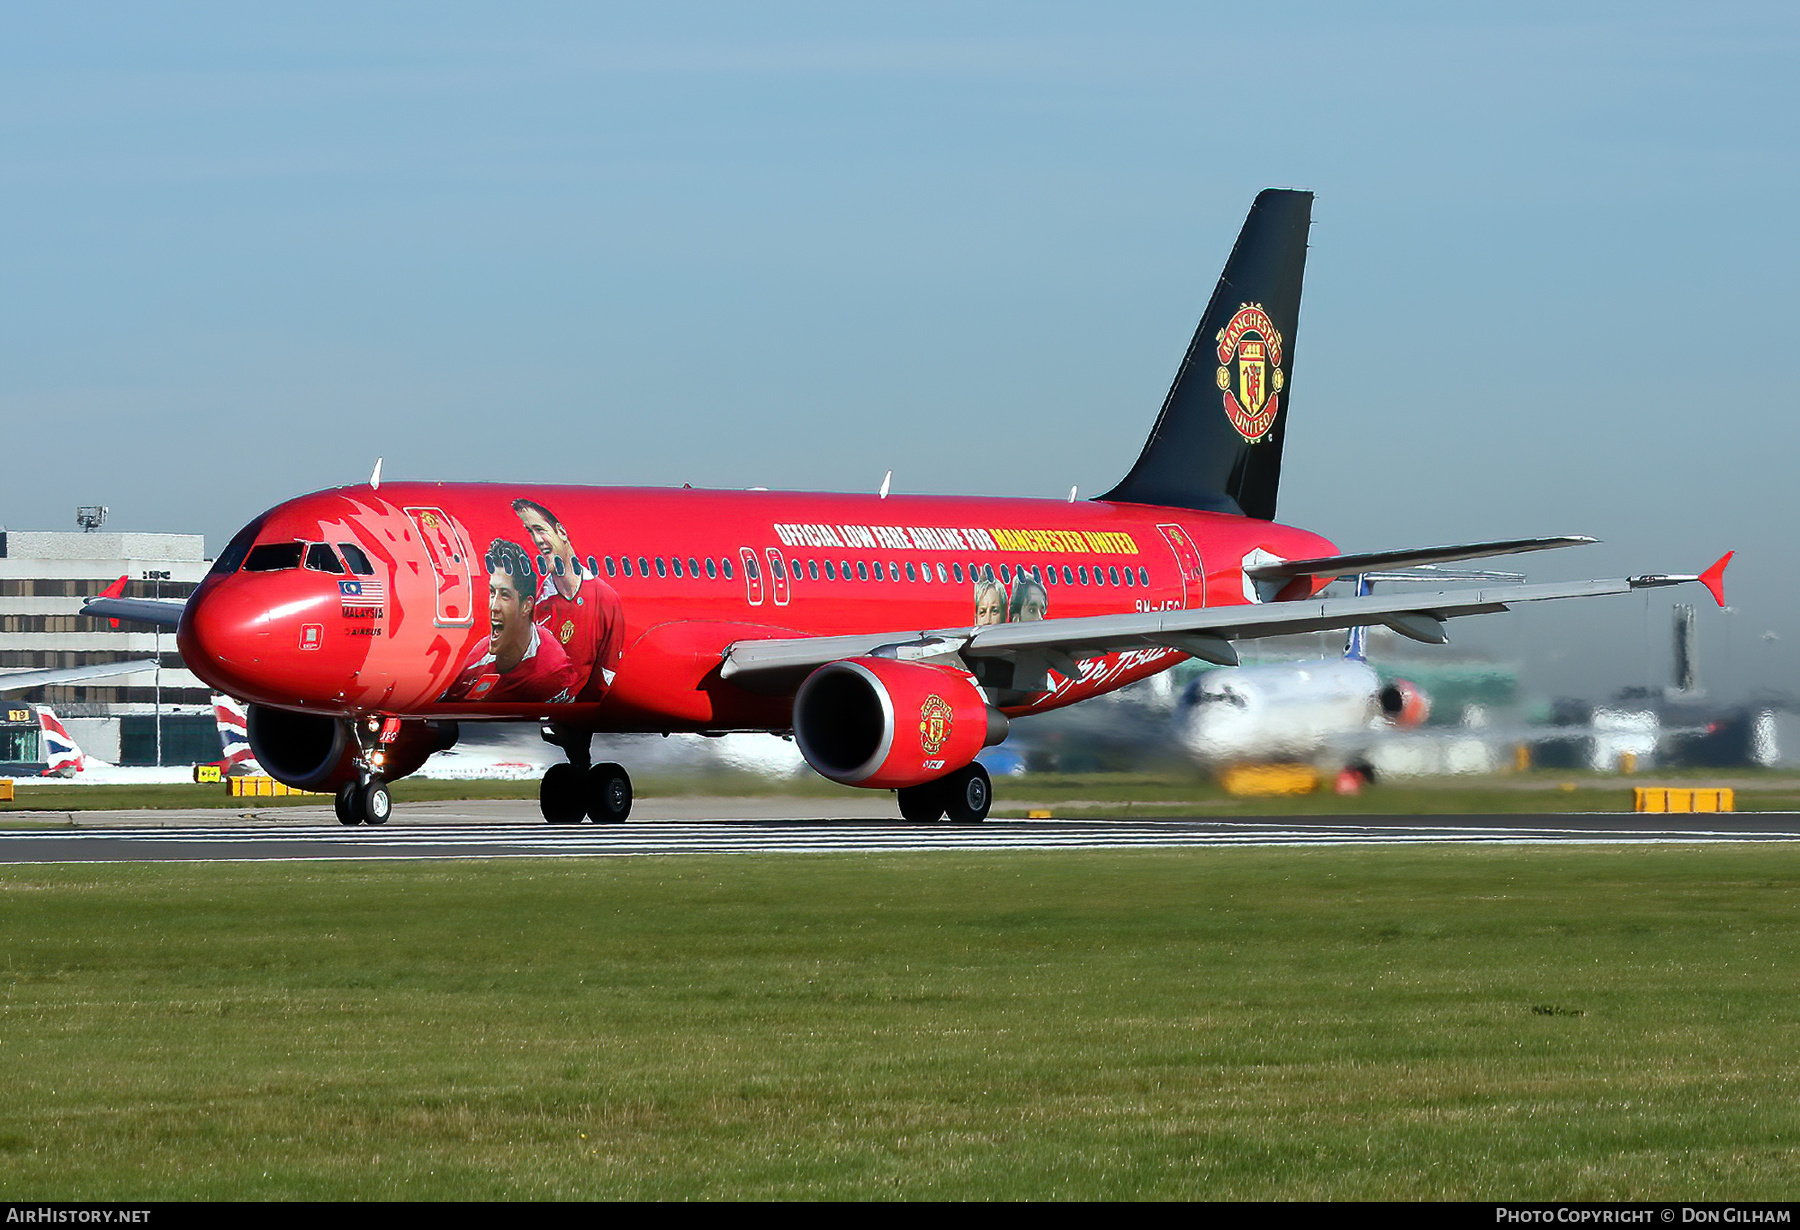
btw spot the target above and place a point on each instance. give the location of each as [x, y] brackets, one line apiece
[1416, 557]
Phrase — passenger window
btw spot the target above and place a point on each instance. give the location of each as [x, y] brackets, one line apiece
[846, 567]
[830, 571]
[725, 567]
[353, 556]
[912, 574]
[1068, 575]
[1129, 578]
[676, 565]
[878, 572]
[862, 571]
[593, 567]
[273, 557]
[693, 568]
[1084, 575]
[612, 566]
[643, 566]
[1143, 576]
[662, 569]
[543, 565]
[750, 567]
[712, 569]
[625, 560]
[957, 569]
[780, 571]
[1112, 574]
[812, 569]
[1005, 575]
[556, 562]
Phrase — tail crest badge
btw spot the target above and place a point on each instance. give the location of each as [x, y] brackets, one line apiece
[1251, 344]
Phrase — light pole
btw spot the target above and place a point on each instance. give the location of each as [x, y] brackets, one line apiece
[156, 578]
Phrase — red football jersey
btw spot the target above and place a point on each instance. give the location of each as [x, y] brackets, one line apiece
[590, 627]
[544, 673]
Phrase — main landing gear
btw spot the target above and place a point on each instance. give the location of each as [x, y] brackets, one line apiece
[964, 796]
[578, 789]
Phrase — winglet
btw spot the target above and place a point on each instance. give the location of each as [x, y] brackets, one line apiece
[1714, 578]
[115, 590]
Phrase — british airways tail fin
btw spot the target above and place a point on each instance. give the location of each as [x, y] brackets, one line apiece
[234, 736]
[1216, 445]
[62, 758]
[1356, 642]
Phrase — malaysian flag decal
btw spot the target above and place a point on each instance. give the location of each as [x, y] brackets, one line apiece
[365, 591]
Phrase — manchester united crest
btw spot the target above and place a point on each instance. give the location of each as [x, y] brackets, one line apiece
[1250, 374]
[935, 719]
[566, 633]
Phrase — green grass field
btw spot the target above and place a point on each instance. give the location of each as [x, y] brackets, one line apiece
[1479, 1022]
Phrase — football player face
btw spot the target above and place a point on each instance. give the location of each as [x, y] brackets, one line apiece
[1033, 605]
[990, 606]
[509, 616]
[549, 539]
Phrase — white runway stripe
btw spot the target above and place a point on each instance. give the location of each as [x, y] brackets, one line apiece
[253, 842]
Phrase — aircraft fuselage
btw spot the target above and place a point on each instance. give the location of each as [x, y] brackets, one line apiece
[638, 592]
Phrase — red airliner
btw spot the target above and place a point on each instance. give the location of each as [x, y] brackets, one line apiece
[895, 637]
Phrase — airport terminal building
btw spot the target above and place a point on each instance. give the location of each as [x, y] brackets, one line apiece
[44, 577]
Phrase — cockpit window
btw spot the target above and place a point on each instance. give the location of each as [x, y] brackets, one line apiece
[321, 558]
[232, 558]
[353, 556]
[274, 556]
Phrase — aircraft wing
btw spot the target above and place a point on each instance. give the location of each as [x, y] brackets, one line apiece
[163, 611]
[1206, 633]
[17, 681]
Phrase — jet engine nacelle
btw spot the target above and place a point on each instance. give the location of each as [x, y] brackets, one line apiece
[311, 752]
[882, 723]
[1404, 705]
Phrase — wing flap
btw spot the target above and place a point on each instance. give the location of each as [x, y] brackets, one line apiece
[1411, 557]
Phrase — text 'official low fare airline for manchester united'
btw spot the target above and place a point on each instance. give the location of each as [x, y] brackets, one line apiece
[893, 636]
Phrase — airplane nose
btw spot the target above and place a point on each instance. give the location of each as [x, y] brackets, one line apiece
[224, 633]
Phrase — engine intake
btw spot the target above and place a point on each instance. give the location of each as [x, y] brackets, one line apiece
[881, 723]
[311, 752]
[1404, 704]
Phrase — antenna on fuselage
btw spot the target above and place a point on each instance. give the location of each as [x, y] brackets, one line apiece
[375, 476]
[1072, 491]
[885, 482]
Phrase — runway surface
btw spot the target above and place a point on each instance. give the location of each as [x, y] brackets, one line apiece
[496, 830]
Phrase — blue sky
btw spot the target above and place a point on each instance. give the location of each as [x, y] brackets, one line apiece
[246, 250]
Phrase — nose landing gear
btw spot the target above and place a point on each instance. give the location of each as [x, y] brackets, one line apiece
[368, 803]
[366, 800]
[601, 792]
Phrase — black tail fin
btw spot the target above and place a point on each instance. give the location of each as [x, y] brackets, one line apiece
[1217, 443]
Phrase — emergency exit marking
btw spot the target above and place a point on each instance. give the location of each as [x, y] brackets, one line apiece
[312, 636]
